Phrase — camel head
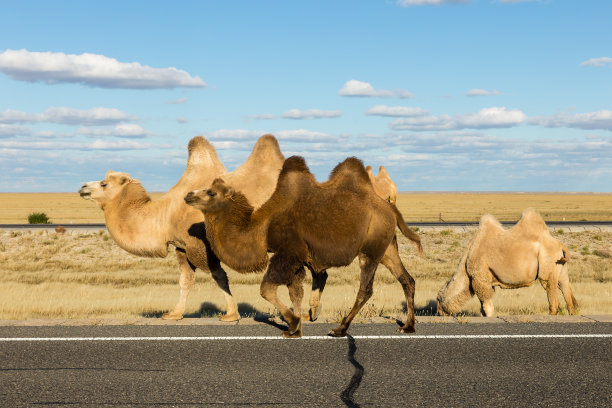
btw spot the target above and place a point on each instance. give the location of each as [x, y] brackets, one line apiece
[215, 199]
[104, 191]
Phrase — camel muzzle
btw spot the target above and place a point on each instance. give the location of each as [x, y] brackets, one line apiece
[84, 192]
[190, 198]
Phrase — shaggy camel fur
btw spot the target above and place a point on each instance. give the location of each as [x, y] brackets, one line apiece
[511, 259]
[309, 224]
[144, 227]
[383, 185]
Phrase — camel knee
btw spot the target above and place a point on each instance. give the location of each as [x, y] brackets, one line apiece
[267, 290]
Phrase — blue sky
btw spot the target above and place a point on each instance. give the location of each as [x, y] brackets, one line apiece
[481, 95]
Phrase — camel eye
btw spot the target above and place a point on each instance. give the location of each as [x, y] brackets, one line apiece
[103, 184]
[211, 193]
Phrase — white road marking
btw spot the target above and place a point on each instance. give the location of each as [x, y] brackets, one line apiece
[358, 337]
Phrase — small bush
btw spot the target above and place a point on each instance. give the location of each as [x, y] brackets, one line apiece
[560, 231]
[598, 237]
[38, 218]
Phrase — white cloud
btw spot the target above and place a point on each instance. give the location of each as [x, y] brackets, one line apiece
[92, 70]
[234, 134]
[99, 144]
[597, 62]
[589, 121]
[295, 135]
[302, 135]
[178, 101]
[124, 130]
[12, 130]
[496, 117]
[69, 116]
[118, 145]
[182, 120]
[408, 3]
[382, 110]
[311, 114]
[365, 89]
[482, 92]
[264, 116]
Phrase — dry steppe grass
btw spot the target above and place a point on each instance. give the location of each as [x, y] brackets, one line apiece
[85, 274]
[69, 208]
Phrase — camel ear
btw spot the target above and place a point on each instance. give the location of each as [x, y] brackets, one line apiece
[124, 179]
[229, 193]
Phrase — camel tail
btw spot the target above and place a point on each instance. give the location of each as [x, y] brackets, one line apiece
[566, 255]
[408, 233]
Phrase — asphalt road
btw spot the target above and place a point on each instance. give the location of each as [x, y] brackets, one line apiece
[525, 364]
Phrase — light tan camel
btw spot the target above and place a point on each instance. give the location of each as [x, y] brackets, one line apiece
[309, 224]
[383, 185]
[144, 227]
[509, 259]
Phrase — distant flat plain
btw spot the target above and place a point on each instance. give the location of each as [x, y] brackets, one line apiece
[67, 208]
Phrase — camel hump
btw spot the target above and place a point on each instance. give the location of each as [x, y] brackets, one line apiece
[350, 174]
[531, 223]
[295, 164]
[267, 144]
[382, 172]
[198, 142]
[202, 153]
[369, 170]
[266, 153]
[488, 221]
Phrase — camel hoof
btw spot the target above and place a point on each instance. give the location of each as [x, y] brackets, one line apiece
[296, 335]
[230, 317]
[310, 316]
[406, 330]
[172, 316]
[337, 333]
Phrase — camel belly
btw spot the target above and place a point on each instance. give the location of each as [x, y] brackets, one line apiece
[517, 274]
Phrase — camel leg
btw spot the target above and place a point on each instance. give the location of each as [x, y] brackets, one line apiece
[220, 277]
[296, 294]
[550, 286]
[318, 284]
[368, 269]
[392, 261]
[483, 287]
[566, 289]
[275, 276]
[186, 280]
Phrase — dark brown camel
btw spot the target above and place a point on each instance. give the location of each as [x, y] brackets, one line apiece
[306, 223]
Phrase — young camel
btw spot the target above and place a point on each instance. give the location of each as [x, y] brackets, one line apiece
[309, 224]
[511, 258]
[145, 227]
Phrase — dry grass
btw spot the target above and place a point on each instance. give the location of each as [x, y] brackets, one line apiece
[79, 275]
[67, 208]
[504, 206]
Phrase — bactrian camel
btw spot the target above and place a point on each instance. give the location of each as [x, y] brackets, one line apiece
[509, 259]
[306, 223]
[146, 228]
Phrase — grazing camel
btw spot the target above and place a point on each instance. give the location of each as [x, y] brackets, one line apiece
[309, 224]
[383, 185]
[144, 227]
[509, 259]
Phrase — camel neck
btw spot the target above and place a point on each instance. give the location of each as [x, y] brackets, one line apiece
[136, 223]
